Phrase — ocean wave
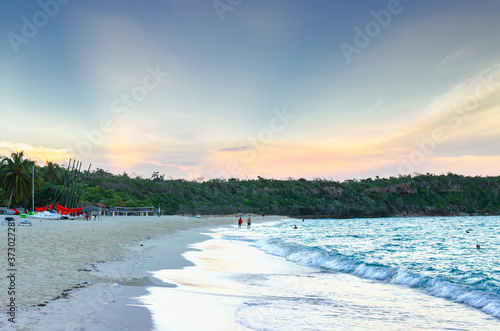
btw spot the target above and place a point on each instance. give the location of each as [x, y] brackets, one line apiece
[314, 257]
[231, 237]
[487, 302]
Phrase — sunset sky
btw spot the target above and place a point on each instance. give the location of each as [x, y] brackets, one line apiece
[247, 88]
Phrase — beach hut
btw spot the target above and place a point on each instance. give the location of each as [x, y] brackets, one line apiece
[95, 209]
[134, 211]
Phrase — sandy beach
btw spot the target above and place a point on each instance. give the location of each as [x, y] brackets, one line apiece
[234, 285]
[185, 273]
[87, 264]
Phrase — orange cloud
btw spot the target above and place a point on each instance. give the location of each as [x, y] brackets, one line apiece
[316, 160]
[470, 165]
[38, 154]
[465, 119]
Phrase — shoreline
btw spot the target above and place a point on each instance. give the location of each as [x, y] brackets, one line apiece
[235, 285]
[189, 277]
[97, 261]
[395, 215]
[211, 291]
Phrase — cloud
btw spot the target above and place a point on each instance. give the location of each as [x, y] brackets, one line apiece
[467, 111]
[52, 129]
[374, 106]
[168, 142]
[281, 160]
[467, 118]
[463, 121]
[108, 65]
[234, 149]
[470, 165]
[454, 56]
[39, 154]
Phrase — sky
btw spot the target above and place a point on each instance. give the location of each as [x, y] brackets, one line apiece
[244, 88]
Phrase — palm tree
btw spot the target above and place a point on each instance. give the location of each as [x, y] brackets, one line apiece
[51, 171]
[16, 177]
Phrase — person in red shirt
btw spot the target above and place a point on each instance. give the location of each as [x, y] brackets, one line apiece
[240, 221]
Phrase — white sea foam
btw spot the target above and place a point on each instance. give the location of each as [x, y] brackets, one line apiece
[57, 258]
[434, 257]
[272, 293]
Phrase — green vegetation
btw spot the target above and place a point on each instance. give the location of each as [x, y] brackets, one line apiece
[16, 177]
[405, 195]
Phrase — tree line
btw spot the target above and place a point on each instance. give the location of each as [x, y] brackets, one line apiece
[419, 194]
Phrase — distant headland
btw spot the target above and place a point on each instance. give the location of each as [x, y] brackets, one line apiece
[410, 195]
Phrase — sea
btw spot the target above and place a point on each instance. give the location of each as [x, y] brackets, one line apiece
[399, 273]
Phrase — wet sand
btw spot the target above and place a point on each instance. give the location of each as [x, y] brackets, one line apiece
[73, 271]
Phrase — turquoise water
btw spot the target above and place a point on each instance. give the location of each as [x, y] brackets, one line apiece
[436, 256]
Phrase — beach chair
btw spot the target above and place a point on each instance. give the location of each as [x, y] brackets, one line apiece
[8, 219]
[24, 222]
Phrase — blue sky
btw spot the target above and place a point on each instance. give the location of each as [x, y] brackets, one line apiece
[253, 88]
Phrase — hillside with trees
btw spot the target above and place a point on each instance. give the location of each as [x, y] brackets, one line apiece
[420, 194]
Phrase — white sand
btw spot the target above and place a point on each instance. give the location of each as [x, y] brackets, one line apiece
[234, 286]
[215, 288]
[56, 256]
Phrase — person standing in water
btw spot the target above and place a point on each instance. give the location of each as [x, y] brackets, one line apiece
[249, 222]
[240, 221]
